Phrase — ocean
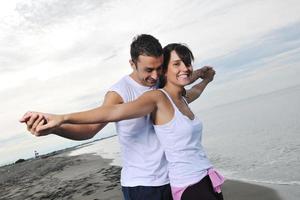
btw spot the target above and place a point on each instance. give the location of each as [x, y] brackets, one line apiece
[257, 138]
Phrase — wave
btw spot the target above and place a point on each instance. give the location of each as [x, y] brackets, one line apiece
[267, 181]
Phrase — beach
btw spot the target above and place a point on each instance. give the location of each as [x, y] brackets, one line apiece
[61, 176]
[253, 142]
[80, 173]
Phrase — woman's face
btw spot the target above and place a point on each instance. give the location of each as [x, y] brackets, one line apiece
[178, 73]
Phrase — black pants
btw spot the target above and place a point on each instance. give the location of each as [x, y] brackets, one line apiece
[202, 190]
[147, 193]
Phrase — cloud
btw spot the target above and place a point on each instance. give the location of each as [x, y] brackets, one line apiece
[48, 12]
[253, 55]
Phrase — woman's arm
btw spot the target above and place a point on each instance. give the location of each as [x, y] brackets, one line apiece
[142, 106]
[70, 131]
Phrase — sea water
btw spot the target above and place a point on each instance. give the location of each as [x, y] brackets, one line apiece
[256, 138]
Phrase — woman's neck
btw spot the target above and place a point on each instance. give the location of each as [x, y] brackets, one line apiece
[175, 92]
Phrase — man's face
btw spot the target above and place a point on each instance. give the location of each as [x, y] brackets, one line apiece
[148, 69]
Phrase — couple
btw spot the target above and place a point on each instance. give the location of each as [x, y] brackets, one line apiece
[159, 135]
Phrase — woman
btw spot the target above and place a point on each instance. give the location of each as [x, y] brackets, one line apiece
[179, 131]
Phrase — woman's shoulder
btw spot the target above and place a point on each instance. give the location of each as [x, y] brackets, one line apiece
[155, 93]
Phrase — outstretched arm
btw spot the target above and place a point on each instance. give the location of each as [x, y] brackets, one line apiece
[69, 131]
[144, 105]
[193, 93]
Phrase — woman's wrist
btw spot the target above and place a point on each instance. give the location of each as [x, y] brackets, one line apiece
[65, 119]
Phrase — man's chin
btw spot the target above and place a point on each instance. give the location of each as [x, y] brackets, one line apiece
[151, 84]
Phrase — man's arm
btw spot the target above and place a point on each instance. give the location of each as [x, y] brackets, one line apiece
[70, 131]
[193, 93]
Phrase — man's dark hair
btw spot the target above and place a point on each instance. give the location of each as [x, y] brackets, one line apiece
[146, 45]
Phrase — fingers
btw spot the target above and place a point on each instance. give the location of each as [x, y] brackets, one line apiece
[36, 123]
[25, 117]
[37, 131]
[31, 121]
[43, 127]
[206, 68]
[208, 73]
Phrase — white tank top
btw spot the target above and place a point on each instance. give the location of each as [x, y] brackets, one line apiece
[181, 140]
[143, 158]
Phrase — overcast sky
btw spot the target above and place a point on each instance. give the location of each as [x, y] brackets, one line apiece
[61, 55]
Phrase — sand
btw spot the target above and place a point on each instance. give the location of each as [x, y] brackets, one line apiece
[86, 176]
[81, 174]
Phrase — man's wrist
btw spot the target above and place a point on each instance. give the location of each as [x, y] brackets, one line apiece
[57, 131]
[206, 81]
[199, 74]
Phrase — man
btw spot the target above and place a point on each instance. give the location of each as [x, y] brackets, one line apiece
[144, 170]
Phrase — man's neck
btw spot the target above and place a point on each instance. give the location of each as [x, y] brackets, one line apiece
[133, 75]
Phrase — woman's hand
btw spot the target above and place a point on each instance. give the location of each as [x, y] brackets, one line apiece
[52, 122]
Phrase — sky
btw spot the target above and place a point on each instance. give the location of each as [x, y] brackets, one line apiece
[61, 56]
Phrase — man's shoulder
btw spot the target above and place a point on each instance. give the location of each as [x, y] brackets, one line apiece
[121, 85]
[125, 88]
[121, 81]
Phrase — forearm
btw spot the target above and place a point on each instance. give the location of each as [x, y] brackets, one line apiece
[195, 92]
[196, 75]
[199, 88]
[101, 114]
[113, 113]
[78, 132]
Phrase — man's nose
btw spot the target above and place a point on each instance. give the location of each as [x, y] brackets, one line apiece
[154, 75]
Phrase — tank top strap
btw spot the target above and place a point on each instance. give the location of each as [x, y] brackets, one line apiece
[165, 92]
[173, 104]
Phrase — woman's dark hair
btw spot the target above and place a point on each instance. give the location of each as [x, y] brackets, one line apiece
[183, 52]
[146, 45]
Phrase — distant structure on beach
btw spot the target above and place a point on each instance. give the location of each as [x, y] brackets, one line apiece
[36, 154]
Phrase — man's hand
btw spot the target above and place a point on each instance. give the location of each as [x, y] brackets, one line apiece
[209, 74]
[199, 73]
[35, 120]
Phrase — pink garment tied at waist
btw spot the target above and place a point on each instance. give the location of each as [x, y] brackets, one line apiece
[177, 192]
[216, 179]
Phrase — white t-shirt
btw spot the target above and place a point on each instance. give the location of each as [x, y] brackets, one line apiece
[143, 159]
